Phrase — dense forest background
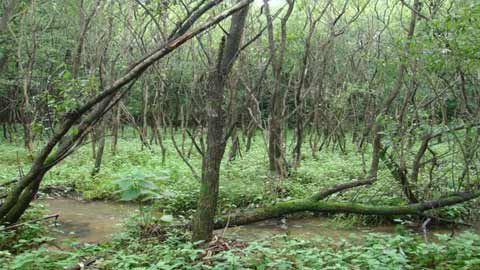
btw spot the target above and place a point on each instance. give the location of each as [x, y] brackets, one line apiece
[202, 108]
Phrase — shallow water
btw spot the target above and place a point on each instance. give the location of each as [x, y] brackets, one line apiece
[91, 222]
[96, 221]
[304, 228]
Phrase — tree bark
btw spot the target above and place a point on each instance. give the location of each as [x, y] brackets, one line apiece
[85, 24]
[303, 205]
[101, 147]
[203, 223]
[276, 155]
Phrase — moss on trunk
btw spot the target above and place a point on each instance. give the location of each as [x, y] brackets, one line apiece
[294, 206]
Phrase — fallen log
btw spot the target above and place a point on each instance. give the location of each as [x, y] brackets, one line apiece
[303, 205]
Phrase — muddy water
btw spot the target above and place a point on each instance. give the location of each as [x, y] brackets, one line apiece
[304, 228]
[97, 221]
[91, 222]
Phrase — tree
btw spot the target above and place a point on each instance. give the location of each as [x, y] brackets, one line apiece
[66, 139]
[203, 224]
[276, 155]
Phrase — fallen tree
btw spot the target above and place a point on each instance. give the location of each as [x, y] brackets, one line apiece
[316, 204]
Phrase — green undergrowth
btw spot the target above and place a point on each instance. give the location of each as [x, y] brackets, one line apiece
[174, 251]
[245, 182]
[27, 236]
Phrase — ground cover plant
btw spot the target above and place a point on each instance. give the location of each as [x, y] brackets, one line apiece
[376, 251]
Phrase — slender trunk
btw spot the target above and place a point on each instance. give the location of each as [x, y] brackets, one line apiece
[203, 223]
[144, 129]
[115, 126]
[276, 156]
[250, 133]
[85, 24]
[93, 136]
[299, 104]
[101, 147]
[27, 109]
[235, 148]
[7, 14]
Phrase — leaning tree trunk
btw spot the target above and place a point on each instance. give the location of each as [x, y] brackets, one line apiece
[203, 223]
[61, 145]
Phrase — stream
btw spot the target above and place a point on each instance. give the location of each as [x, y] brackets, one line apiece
[96, 221]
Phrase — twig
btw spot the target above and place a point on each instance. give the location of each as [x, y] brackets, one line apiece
[424, 228]
[226, 226]
[415, 10]
[185, 160]
[15, 226]
[449, 221]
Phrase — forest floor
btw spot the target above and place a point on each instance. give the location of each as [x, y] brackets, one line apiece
[143, 242]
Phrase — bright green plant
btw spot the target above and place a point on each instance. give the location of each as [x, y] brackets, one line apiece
[139, 186]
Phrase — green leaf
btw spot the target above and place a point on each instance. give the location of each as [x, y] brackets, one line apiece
[130, 194]
[167, 218]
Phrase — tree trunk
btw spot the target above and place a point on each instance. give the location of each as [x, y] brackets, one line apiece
[101, 146]
[295, 206]
[299, 103]
[276, 155]
[116, 117]
[85, 24]
[203, 223]
[317, 203]
[7, 14]
[144, 129]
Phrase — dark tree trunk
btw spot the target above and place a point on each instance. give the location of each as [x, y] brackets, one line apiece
[276, 155]
[101, 146]
[203, 223]
[116, 116]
